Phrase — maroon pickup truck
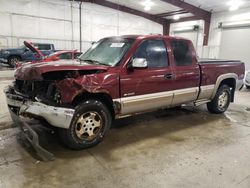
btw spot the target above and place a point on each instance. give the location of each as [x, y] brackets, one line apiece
[117, 77]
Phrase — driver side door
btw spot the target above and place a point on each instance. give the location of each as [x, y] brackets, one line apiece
[148, 88]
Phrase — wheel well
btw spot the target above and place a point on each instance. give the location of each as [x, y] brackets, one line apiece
[231, 82]
[15, 56]
[103, 97]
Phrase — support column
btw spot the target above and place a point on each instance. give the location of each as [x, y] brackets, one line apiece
[166, 27]
[206, 31]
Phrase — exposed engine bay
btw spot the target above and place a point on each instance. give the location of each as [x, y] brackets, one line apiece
[46, 90]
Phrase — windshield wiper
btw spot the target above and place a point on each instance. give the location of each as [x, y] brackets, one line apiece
[94, 62]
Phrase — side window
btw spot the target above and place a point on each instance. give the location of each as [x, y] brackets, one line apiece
[154, 51]
[182, 53]
[65, 56]
[43, 46]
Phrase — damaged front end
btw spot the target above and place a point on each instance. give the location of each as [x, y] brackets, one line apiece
[47, 95]
[49, 98]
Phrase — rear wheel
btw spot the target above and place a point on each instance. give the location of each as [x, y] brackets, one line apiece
[221, 101]
[13, 60]
[89, 125]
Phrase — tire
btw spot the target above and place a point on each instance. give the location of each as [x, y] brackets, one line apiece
[12, 60]
[248, 87]
[221, 101]
[89, 125]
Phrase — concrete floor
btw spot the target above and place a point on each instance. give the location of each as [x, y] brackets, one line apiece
[173, 148]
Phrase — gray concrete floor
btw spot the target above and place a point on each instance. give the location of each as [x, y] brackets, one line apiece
[173, 148]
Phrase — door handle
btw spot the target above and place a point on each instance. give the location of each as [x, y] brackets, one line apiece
[169, 76]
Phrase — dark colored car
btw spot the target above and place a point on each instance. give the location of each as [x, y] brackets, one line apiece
[117, 77]
[11, 56]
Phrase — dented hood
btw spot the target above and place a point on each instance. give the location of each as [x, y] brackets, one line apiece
[35, 71]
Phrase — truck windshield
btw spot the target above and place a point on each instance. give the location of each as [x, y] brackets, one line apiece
[107, 51]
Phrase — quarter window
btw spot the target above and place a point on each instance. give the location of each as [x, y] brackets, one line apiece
[154, 51]
[182, 53]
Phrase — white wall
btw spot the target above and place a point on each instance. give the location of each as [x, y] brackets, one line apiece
[214, 44]
[215, 38]
[57, 21]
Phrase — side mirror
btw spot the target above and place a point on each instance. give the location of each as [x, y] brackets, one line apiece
[139, 63]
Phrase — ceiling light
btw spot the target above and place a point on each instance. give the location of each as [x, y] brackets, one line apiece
[147, 8]
[234, 4]
[147, 5]
[233, 8]
[176, 17]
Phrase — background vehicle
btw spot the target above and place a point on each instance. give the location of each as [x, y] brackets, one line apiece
[64, 54]
[117, 77]
[13, 55]
[247, 80]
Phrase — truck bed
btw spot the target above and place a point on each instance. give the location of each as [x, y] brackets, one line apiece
[213, 68]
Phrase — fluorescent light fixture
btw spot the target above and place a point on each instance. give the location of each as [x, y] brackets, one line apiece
[176, 17]
[147, 5]
[147, 8]
[235, 24]
[235, 4]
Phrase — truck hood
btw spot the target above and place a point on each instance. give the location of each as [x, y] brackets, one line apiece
[34, 71]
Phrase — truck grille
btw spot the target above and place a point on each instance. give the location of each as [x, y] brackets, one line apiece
[32, 89]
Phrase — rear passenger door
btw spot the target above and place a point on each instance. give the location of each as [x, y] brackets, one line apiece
[147, 88]
[186, 71]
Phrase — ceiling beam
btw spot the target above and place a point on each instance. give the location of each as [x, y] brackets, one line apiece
[190, 8]
[185, 19]
[171, 13]
[125, 9]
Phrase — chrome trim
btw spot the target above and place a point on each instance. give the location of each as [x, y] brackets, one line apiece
[147, 102]
[185, 95]
[221, 78]
[206, 92]
[56, 116]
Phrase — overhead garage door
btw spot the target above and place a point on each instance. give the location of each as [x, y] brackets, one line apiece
[191, 35]
[235, 44]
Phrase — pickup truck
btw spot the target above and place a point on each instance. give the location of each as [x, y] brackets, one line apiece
[13, 55]
[118, 77]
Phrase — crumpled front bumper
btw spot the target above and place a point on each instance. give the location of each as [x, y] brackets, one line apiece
[56, 116]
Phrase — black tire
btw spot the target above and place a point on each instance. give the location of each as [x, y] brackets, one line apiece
[83, 120]
[12, 60]
[221, 100]
[248, 87]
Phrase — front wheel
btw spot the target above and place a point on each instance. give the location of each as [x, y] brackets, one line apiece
[89, 125]
[13, 60]
[221, 101]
